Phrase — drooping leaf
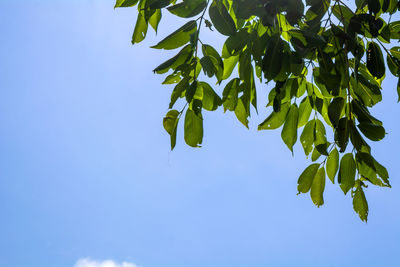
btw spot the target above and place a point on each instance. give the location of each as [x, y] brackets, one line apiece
[307, 137]
[318, 187]
[347, 172]
[304, 111]
[306, 178]
[360, 204]
[332, 164]
[335, 110]
[221, 19]
[170, 123]
[289, 131]
[140, 29]
[193, 130]
[375, 63]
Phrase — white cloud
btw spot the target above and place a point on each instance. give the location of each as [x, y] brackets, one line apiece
[107, 263]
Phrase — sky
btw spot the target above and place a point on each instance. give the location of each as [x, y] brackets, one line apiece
[87, 178]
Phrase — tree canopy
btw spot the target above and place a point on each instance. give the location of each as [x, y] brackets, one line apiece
[325, 62]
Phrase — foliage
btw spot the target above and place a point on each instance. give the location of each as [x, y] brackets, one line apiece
[324, 59]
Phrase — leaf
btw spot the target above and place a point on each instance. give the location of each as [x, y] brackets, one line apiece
[320, 133]
[193, 130]
[304, 111]
[221, 19]
[275, 119]
[335, 110]
[318, 187]
[210, 100]
[140, 29]
[272, 61]
[342, 134]
[170, 123]
[229, 65]
[306, 178]
[230, 95]
[347, 172]
[178, 91]
[178, 38]
[125, 3]
[188, 8]
[154, 20]
[360, 204]
[375, 63]
[241, 113]
[371, 131]
[307, 137]
[289, 131]
[332, 164]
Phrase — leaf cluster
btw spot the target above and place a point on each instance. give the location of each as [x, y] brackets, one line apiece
[324, 60]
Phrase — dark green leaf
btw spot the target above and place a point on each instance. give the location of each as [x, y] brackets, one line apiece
[335, 110]
[372, 131]
[375, 63]
[221, 19]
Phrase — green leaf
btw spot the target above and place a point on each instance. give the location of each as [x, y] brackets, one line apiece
[170, 123]
[193, 130]
[375, 63]
[289, 131]
[140, 29]
[275, 119]
[235, 43]
[306, 178]
[335, 110]
[360, 204]
[332, 164]
[241, 113]
[221, 19]
[125, 3]
[229, 65]
[318, 187]
[179, 91]
[178, 38]
[188, 8]
[307, 137]
[230, 95]
[382, 172]
[210, 100]
[154, 20]
[304, 111]
[272, 61]
[347, 172]
[372, 131]
[320, 133]
[342, 134]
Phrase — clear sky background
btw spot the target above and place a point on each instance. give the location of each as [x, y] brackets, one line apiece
[86, 171]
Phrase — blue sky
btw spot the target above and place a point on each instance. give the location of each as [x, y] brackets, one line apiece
[86, 171]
